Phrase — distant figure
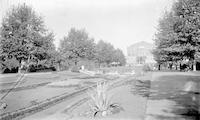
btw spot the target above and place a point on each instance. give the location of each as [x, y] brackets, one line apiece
[191, 87]
[3, 105]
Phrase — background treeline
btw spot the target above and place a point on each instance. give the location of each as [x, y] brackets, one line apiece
[77, 47]
[26, 43]
[178, 38]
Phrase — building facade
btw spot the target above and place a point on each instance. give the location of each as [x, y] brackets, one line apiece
[140, 53]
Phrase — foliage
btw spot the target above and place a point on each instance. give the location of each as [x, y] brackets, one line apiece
[101, 100]
[165, 39]
[178, 33]
[106, 53]
[77, 45]
[24, 37]
[119, 57]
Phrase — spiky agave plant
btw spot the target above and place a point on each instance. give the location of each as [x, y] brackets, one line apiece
[101, 99]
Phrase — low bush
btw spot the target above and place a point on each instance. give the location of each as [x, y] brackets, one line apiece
[101, 101]
[12, 70]
[41, 68]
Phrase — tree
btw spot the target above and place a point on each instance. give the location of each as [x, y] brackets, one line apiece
[188, 28]
[47, 51]
[178, 35]
[77, 45]
[165, 40]
[119, 57]
[24, 37]
[104, 52]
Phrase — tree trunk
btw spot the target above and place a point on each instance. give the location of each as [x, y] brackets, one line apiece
[58, 66]
[19, 68]
[170, 66]
[180, 67]
[29, 58]
[159, 67]
[194, 65]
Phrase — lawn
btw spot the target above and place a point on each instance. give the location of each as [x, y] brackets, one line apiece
[78, 107]
[161, 97]
[154, 95]
[37, 87]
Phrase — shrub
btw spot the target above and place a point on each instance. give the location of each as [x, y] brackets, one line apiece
[101, 100]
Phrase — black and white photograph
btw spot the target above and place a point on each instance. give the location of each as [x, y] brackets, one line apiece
[99, 59]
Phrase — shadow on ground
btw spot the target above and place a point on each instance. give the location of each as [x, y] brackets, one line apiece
[171, 88]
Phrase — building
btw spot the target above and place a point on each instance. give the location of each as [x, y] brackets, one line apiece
[140, 53]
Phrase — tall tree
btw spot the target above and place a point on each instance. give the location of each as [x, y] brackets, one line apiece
[178, 35]
[119, 57]
[77, 45]
[23, 37]
[166, 40]
[104, 52]
[188, 28]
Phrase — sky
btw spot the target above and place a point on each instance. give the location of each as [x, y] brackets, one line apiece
[119, 22]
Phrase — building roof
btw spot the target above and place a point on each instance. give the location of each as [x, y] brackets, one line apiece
[141, 44]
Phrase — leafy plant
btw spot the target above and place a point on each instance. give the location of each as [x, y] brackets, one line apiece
[102, 100]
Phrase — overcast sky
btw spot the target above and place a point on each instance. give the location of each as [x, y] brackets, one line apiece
[120, 22]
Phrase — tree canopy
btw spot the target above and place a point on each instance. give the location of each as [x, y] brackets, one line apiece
[77, 45]
[106, 53]
[24, 38]
[178, 33]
